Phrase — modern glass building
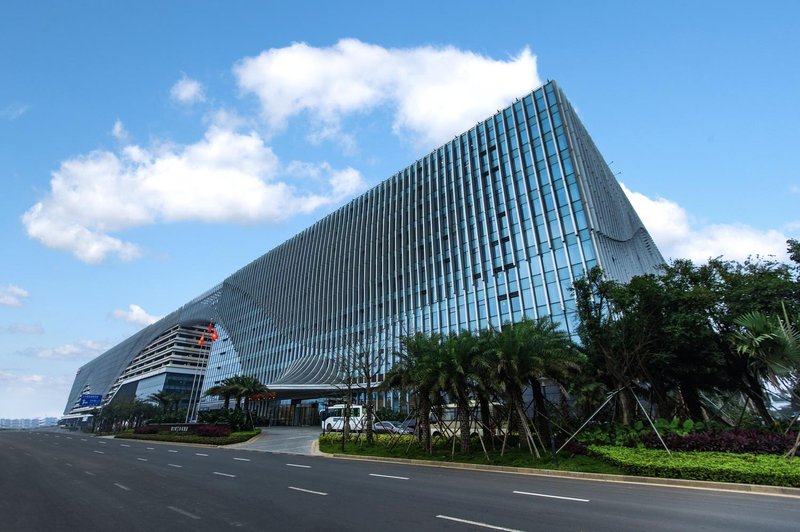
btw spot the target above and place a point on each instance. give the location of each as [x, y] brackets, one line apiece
[493, 226]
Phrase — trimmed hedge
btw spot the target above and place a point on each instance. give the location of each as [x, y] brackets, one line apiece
[713, 466]
[236, 437]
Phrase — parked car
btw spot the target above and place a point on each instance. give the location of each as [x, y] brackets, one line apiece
[384, 427]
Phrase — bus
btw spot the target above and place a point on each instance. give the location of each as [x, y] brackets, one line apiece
[332, 418]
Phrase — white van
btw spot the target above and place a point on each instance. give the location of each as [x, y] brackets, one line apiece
[333, 418]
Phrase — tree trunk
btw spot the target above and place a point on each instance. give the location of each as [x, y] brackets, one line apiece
[691, 399]
[424, 414]
[486, 419]
[464, 421]
[541, 411]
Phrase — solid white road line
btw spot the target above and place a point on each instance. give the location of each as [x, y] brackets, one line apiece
[142, 459]
[120, 486]
[183, 512]
[174, 465]
[307, 491]
[550, 496]
[124, 445]
[242, 459]
[150, 448]
[102, 442]
[171, 451]
[200, 454]
[299, 465]
[476, 523]
[223, 474]
[99, 452]
[387, 476]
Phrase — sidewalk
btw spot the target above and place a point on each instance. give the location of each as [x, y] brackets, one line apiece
[290, 440]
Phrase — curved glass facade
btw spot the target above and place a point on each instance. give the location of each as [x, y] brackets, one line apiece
[491, 227]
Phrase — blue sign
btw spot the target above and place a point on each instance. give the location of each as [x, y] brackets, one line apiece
[91, 400]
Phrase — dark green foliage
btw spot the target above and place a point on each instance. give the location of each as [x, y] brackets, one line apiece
[719, 467]
[441, 452]
[238, 420]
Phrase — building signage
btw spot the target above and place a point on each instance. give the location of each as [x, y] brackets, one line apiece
[91, 400]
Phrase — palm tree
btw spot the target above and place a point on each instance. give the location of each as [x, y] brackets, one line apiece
[224, 390]
[773, 347]
[524, 353]
[162, 398]
[416, 369]
[456, 368]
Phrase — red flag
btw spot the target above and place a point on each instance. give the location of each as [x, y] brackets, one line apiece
[202, 339]
[214, 335]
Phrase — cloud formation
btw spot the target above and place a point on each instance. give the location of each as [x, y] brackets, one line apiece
[136, 315]
[12, 296]
[228, 176]
[187, 91]
[433, 92]
[81, 349]
[678, 236]
[22, 328]
[29, 395]
[14, 111]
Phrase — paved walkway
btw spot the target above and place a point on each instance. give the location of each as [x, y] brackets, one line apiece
[291, 440]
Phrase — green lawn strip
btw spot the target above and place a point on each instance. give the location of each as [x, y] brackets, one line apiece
[235, 437]
[743, 468]
[512, 457]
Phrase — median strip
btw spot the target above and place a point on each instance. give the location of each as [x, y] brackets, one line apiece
[307, 491]
[550, 496]
[477, 523]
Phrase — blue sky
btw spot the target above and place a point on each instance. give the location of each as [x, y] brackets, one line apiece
[148, 150]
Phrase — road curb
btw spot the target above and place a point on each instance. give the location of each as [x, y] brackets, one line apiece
[754, 489]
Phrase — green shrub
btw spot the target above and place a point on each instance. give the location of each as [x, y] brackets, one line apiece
[235, 437]
[719, 467]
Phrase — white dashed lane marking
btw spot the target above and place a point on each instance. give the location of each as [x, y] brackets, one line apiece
[308, 491]
[550, 496]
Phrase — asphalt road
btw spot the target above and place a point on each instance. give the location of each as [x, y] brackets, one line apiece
[62, 481]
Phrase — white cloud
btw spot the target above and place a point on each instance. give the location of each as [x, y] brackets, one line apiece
[227, 176]
[14, 111]
[434, 92]
[118, 131]
[677, 236]
[22, 328]
[187, 91]
[12, 296]
[81, 349]
[32, 395]
[136, 314]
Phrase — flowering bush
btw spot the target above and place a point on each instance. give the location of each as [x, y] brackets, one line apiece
[732, 441]
[213, 430]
